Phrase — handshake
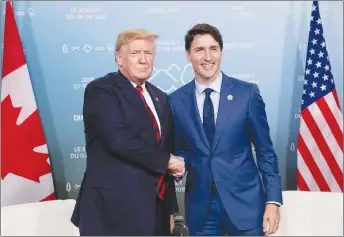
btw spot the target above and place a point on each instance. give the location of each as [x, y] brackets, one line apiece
[176, 166]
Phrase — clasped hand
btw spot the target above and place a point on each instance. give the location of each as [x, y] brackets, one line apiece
[176, 166]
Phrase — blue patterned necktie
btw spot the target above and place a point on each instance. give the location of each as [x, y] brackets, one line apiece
[208, 117]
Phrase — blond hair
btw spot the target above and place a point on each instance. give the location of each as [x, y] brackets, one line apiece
[128, 36]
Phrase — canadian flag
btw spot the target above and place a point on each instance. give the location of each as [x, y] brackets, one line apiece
[25, 169]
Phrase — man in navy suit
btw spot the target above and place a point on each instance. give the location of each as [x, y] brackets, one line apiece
[128, 186]
[217, 118]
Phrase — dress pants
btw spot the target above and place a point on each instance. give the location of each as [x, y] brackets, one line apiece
[218, 223]
[162, 219]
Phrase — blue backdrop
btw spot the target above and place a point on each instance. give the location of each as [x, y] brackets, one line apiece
[68, 44]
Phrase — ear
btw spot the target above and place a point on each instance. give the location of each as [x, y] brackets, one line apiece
[188, 56]
[119, 58]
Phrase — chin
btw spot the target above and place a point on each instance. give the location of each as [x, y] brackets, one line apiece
[143, 77]
[208, 75]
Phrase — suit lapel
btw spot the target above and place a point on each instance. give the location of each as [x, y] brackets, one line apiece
[227, 100]
[190, 104]
[128, 91]
[133, 97]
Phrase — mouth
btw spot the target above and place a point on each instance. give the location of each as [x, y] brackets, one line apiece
[208, 66]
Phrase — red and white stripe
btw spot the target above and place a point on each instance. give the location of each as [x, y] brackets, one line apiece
[320, 146]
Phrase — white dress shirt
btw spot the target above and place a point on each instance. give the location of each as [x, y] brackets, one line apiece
[215, 98]
[149, 101]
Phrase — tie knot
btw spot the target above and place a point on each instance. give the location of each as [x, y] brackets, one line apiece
[139, 89]
[208, 91]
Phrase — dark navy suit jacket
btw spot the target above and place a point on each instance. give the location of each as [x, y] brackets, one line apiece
[230, 164]
[124, 162]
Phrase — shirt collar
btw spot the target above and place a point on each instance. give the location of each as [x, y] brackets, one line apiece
[215, 85]
[143, 85]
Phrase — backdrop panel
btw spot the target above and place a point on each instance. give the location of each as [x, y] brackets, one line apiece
[68, 44]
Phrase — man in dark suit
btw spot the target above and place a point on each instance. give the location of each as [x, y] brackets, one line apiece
[217, 118]
[128, 186]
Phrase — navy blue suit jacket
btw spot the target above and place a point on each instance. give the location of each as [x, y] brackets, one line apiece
[230, 164]
[124, 162]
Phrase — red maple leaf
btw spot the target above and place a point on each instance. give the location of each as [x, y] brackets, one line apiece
[18, 142]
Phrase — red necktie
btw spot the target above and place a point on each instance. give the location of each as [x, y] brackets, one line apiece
[161, 187]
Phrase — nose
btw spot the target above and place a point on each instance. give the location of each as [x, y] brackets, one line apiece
[207, 55]
[142, 58]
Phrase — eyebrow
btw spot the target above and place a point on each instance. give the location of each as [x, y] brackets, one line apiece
[211, 46]
[137, 50]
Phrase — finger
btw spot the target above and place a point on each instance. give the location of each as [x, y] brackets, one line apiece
[275, 227]
[274, 221]
[265, 224]
[178, 158]
[178, 174]
[174, 166]
[177, 171]
[270, 226]
[177, 167]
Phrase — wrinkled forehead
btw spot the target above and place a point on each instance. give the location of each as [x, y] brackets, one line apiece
[141, 45]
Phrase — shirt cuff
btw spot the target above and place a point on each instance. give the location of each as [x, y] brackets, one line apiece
[277, 203]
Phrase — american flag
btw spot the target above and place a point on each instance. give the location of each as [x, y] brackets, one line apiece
[320, 139]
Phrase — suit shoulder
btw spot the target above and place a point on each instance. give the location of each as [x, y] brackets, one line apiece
[156, 90]
[103, 81]
[244, 85]
[180, 91]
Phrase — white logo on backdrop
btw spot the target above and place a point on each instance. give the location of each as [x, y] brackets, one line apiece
[162, 10]
[174, 73]
[292, 147]
[64, 48]
[109, 47]
[86, 13]
[68, 187]
[298, 115]
[31, 11]
[77, 186]
[240, 12]
[87, 48]
[78, 117]
[75, 48]
[20, 13]
[249, 45]
[83, 83]
[79, 152]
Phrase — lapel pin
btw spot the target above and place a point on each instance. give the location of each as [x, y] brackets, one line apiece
[156, 98]
[229, 97]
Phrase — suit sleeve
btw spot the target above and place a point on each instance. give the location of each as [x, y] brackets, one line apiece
[172, 200]
[179, 143]
[104, 118]
[266, 157]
